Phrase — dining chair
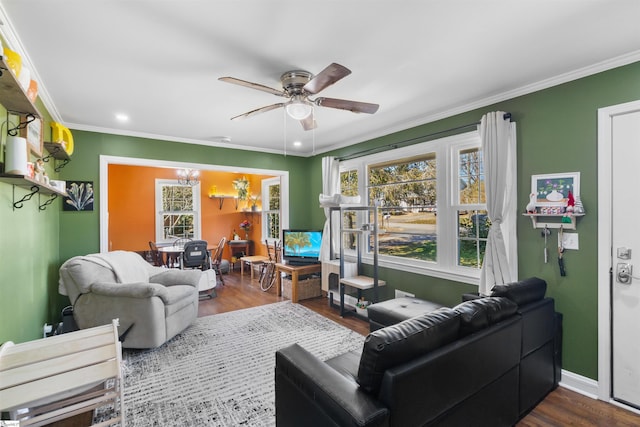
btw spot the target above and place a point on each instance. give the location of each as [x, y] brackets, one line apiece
[181, 241]
[173, 259]
[267, 268]
[217, 258]
[156, 256]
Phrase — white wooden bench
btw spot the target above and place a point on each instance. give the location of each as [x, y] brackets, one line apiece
[50, 379]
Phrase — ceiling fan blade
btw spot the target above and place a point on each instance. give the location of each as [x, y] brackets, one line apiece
[308, 123]
[258, 111]
[343, 104]
[252, 85]
[326, 77]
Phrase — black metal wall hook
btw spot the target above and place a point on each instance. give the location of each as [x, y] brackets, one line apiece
[22, 125]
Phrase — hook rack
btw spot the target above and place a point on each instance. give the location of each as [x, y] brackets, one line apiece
[58, 153]
[22, 125]
[50, 200]
[20, 203]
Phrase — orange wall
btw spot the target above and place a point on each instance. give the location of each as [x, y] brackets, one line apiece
[132, 207]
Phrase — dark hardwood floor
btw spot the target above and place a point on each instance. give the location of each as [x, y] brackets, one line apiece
[562, 407]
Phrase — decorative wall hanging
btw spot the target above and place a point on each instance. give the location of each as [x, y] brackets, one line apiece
[552, 190]
[33, 135]
[79, 196]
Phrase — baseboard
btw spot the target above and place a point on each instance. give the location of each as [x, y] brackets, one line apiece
[579, 384]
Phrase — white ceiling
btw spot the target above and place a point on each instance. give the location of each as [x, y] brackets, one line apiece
[421, 60]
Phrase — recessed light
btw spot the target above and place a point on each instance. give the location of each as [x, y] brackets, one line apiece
[297, 144]
[121, 117]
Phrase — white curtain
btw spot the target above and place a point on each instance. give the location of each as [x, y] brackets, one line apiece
[330, 187]
[498, 138]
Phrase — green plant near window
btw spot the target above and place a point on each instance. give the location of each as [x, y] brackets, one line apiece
[241, 185]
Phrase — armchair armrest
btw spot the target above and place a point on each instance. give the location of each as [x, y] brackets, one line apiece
[130, 290]
[334, 395]
[172, 277]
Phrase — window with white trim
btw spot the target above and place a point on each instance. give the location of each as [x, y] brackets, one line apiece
[177, 211]
[271, 209]
[432, 216]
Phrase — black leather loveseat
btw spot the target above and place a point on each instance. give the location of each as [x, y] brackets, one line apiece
[485, 362]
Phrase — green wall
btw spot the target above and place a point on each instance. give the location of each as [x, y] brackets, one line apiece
[556, 133]
[29, 256]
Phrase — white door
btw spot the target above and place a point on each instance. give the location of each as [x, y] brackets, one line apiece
[625, 233]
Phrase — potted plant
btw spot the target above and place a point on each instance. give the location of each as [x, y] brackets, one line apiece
[241, 185]
[361, 307]
[253, 200]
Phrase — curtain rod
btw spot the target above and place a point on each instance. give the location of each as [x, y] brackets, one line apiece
[392, 146]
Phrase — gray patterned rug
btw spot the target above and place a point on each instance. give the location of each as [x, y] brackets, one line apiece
[220, 371]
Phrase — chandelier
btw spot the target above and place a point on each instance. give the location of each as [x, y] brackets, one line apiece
[188, 177]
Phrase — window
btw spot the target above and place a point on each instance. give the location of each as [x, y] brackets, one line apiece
[271, 209]
[178, 211]
[473, 222]
[432, 216]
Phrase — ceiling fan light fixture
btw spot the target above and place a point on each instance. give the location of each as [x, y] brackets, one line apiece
[298, 109]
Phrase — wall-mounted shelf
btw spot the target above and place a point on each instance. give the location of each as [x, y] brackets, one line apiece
[34, 187]
[12, 95]
[221, 199]
[553, 220]
[56, 151]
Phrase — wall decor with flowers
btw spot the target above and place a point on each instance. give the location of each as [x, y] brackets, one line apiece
[79, 196]
[552, 190]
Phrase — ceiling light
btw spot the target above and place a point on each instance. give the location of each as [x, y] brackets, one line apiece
[122, 117]
[297, 143]
[188, 176]
[298, 109]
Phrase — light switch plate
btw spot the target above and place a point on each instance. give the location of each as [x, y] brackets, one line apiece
[569, 241]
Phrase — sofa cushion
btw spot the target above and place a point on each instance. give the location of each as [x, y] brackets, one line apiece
[399, 343]
[483, 312]
[522, 292]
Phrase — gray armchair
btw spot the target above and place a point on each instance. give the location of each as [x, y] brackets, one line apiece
[153, 303]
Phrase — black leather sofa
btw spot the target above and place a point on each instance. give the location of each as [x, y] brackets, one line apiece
[485, 362]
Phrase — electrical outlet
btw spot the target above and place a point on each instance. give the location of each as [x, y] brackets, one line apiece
[569, 241]
[402, 294]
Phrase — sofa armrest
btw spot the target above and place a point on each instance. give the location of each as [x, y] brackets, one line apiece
[337, 397]
[171, 277]
[129, 290]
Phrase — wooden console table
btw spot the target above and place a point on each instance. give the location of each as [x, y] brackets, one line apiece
[237, 246]
[295, 271]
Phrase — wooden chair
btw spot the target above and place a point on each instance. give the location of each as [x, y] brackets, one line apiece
[51, 379]
[156, 257]
[267, 268]
[216, 258]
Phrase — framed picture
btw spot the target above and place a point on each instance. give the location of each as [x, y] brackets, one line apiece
[553, 189]
[79, 196]
[33, 135]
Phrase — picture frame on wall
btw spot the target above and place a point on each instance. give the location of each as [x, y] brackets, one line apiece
[79, 196]
[34, 135]
[553, 189]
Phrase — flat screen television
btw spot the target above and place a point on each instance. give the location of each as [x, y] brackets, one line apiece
[301, 247]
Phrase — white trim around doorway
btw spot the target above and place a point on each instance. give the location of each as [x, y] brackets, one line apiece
[605, 205]
[105, 161]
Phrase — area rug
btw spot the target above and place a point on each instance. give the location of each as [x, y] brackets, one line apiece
[220, 371]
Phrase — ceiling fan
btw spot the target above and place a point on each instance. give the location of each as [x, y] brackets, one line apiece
[298, 86]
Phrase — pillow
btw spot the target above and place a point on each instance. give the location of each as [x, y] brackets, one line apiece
[522, 292]
[404, 341]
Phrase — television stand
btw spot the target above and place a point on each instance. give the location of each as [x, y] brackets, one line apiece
[295, 271]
